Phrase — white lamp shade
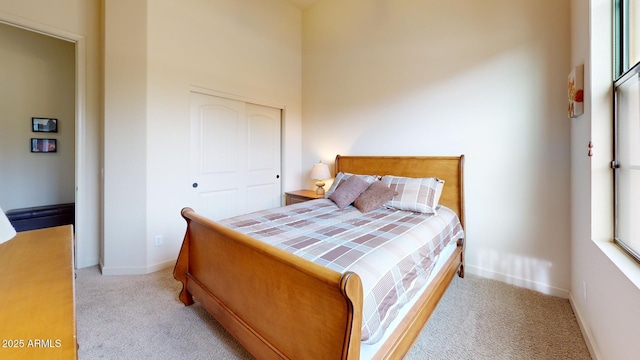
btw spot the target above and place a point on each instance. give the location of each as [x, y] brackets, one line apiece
[320, 171]
[7, 232]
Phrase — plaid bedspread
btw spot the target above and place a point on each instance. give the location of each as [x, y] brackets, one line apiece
[392, 251]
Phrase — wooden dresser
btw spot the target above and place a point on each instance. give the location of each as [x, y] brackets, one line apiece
[37, 306]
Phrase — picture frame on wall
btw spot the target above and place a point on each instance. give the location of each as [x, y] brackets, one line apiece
[575, 92]
[44, 125]
[44, 145]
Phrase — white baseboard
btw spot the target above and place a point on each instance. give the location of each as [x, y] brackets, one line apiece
[509, 279]
[87, 263]
[136, 270]
[161, 265]
[586, 334]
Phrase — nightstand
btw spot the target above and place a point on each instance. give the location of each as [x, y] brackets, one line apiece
[294, 197]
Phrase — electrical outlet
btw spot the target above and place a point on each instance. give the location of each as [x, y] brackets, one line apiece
[158, 240]
[584, 290]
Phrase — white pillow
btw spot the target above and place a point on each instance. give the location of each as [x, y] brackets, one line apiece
[414, 194]
[439, 188]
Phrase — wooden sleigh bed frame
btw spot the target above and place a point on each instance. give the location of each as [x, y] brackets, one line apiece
[280, 306]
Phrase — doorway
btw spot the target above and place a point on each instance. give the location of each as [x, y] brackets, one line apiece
[86, 245]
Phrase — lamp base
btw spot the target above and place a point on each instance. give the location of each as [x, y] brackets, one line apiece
[320, 187]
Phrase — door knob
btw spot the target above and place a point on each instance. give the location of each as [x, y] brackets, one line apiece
[195, 185]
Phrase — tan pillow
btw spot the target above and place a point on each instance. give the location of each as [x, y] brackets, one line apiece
[348, 190]
[372, 198]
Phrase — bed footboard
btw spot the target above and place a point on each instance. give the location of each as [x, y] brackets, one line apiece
[289, 295]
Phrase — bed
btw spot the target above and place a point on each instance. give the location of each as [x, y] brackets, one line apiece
[281, 306]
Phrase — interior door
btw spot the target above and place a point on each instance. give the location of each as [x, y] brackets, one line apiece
[234, 156]
[263, 160]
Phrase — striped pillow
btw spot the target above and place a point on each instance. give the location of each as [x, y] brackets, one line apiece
[414, 194]
[340, 177]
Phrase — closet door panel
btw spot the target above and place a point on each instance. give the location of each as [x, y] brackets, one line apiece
[234, 156]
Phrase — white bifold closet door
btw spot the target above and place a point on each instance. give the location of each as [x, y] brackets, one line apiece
[235, 156]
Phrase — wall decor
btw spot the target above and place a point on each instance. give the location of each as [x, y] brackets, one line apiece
[44, 125]
[44, 145]
[575, 91]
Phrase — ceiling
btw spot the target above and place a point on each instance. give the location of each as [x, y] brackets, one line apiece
[304, 3]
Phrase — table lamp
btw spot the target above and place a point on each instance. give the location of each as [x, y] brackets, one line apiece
[320, 172]
[7, 232]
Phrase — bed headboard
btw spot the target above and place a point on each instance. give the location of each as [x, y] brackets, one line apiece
[447, 168]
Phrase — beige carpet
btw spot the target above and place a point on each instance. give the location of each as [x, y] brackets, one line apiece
[140, 317]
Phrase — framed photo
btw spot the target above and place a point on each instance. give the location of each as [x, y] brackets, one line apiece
[44, 145]
[44, 125]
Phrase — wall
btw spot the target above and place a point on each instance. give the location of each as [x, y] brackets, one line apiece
[250, 49]
[124, 152]
[79, 21]
[487, 80]
[38, 77]
[605, 283]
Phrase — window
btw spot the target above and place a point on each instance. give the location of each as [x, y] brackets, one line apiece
[627, 35]
[626, 162]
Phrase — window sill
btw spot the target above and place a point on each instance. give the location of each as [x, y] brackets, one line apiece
[622, 261]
